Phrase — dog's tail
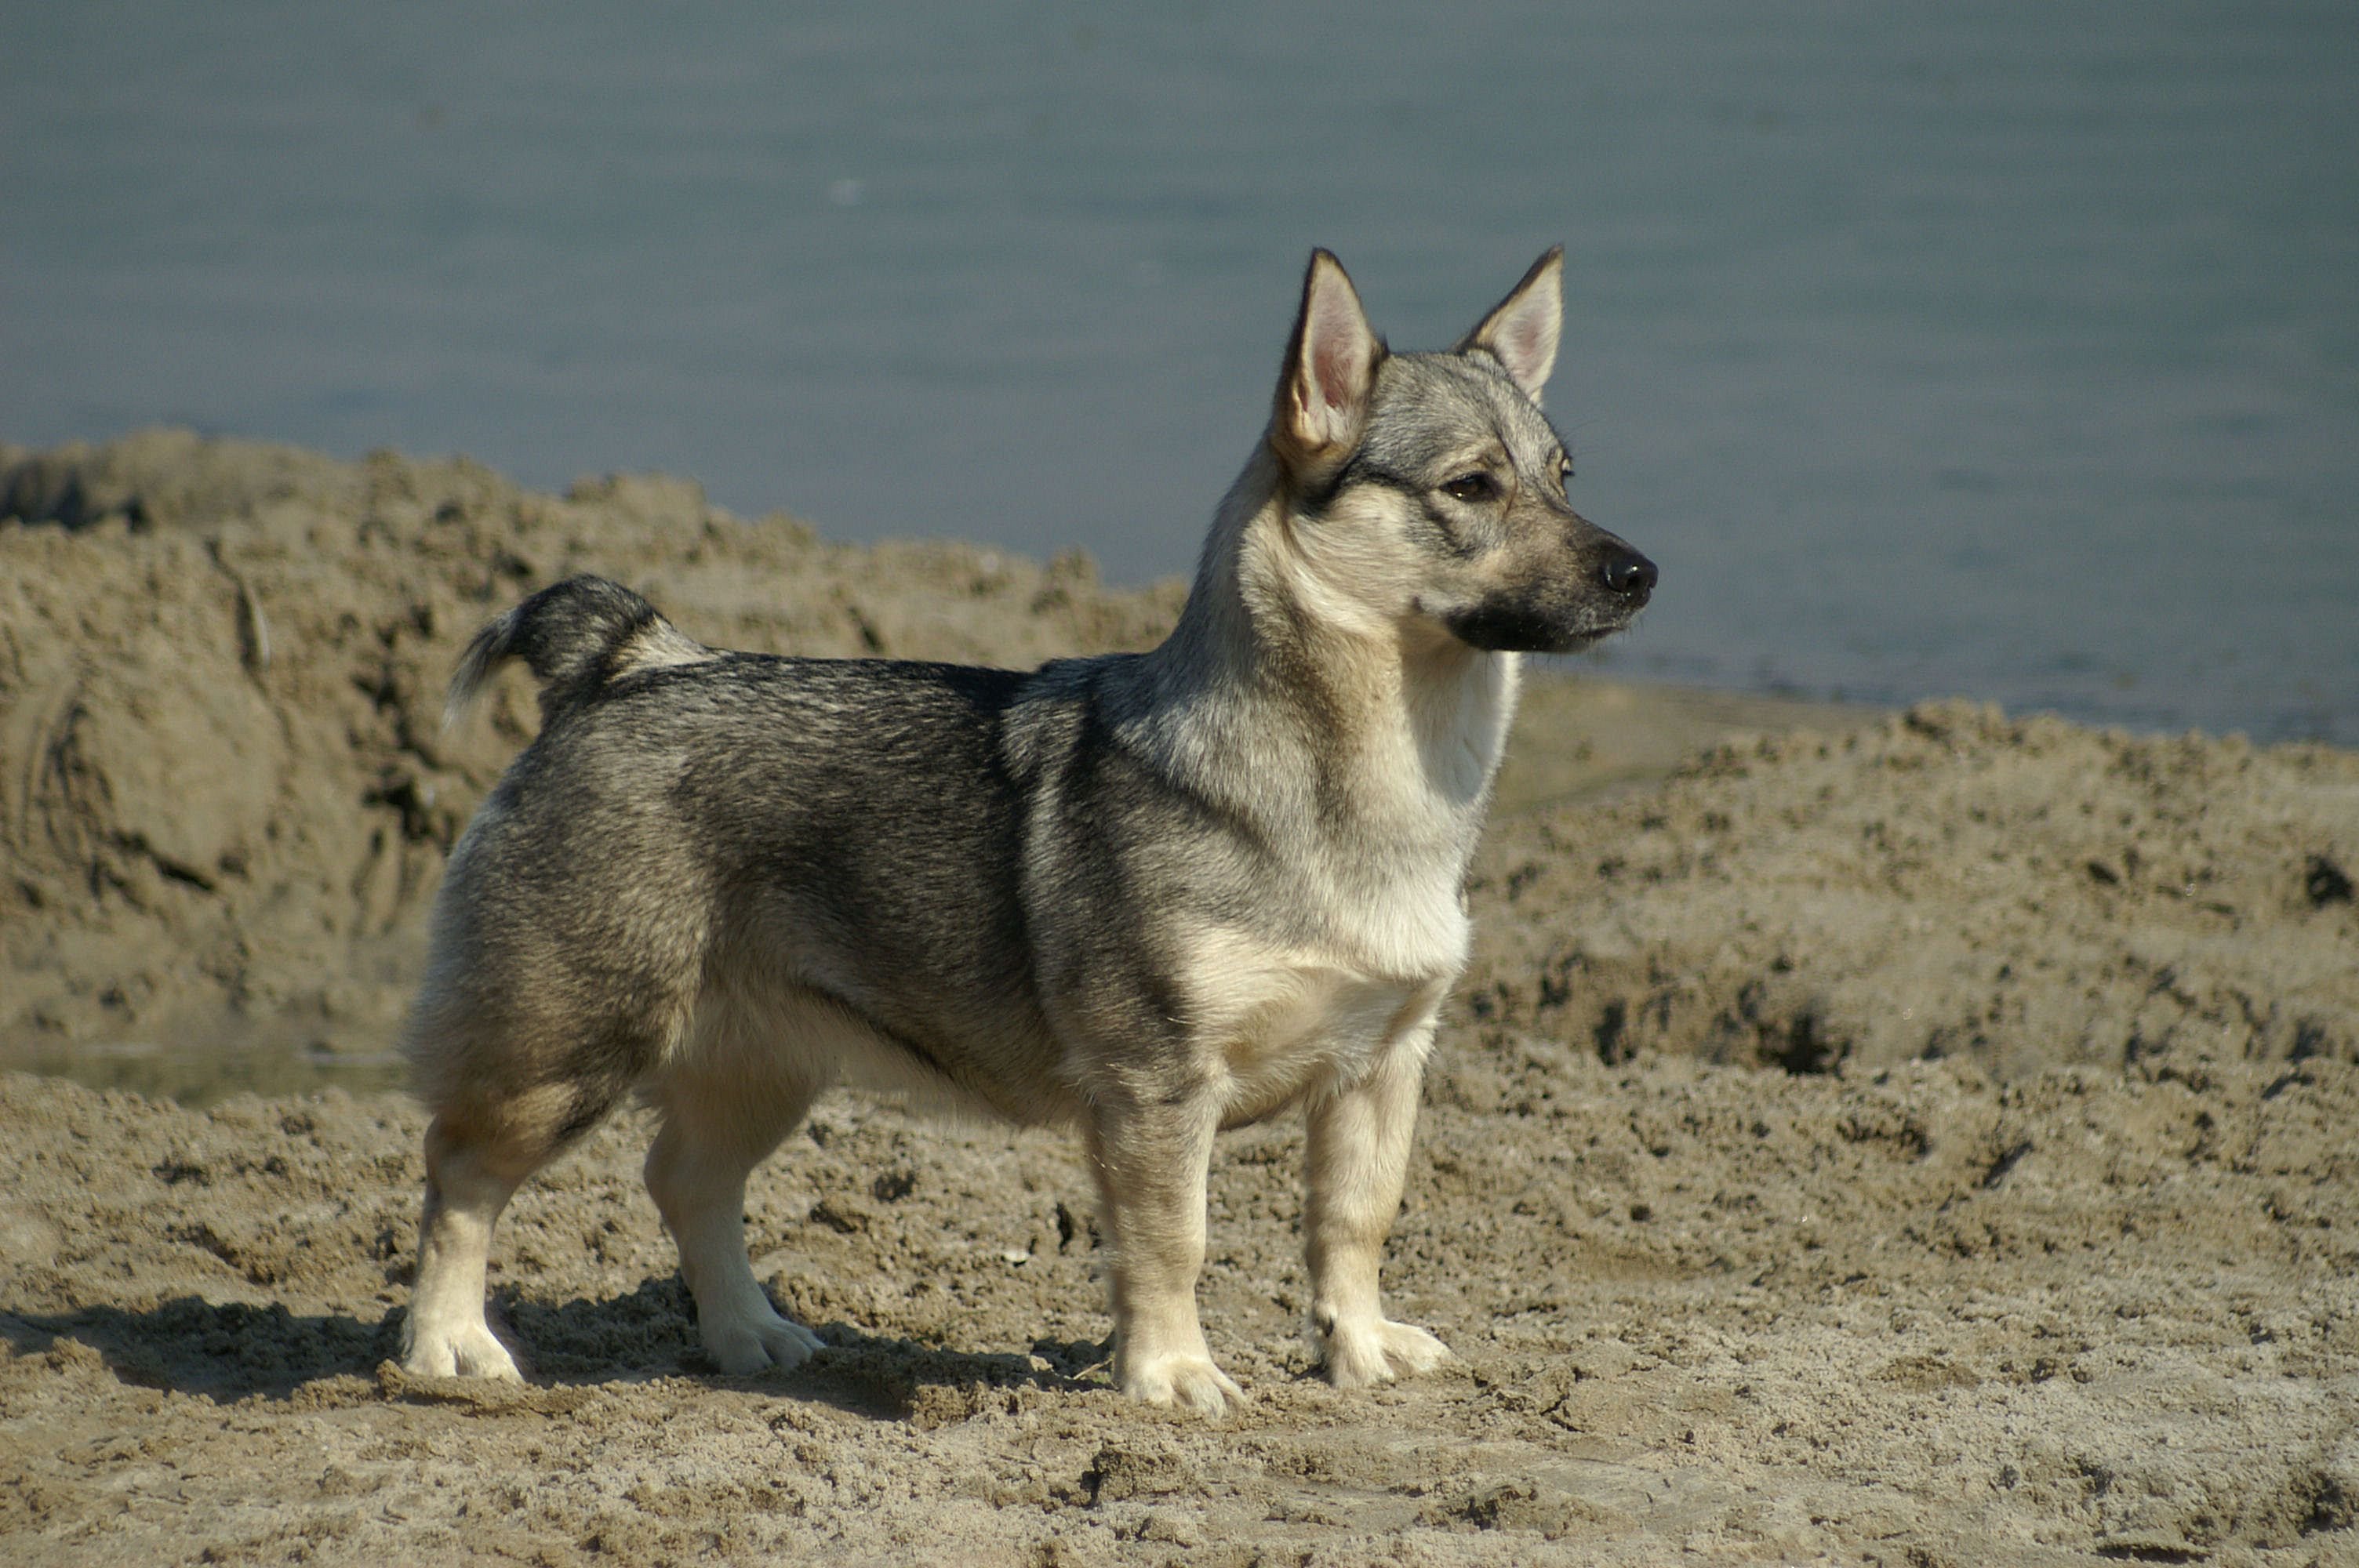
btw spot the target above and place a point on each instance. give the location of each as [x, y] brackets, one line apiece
[576, 635]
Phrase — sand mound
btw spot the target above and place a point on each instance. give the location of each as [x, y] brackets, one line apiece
[1946, 883]
[226, 790]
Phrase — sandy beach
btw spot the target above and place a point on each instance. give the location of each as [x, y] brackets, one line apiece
[1924, 1137]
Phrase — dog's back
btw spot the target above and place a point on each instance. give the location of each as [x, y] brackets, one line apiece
[696, 838]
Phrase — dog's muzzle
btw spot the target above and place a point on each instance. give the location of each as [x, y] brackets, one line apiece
[1563, 615]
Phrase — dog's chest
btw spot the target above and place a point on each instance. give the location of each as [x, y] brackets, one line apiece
[1276, 1023]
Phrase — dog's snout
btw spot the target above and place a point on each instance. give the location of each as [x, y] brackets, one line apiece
[1628, 574]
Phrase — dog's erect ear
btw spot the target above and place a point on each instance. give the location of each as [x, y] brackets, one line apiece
[1331, 366]
[1521, 333]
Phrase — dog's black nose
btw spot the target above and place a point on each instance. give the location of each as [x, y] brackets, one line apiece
[1628, 574]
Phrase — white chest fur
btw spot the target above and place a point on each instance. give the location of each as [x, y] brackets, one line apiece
[1277, 1023]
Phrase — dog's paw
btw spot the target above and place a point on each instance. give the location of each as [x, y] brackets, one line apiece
[471, 1350]
[1377, 1350]
[1181, 1378]
[750, 1344]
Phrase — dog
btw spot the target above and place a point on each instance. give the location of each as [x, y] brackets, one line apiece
[1149, 896]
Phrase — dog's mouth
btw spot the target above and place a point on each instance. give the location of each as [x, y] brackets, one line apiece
[1509, 628]
[1582, 641]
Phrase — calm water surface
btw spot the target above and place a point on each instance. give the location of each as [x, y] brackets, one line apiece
[2003, 348]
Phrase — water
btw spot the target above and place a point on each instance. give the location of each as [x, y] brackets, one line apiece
[2001, 349]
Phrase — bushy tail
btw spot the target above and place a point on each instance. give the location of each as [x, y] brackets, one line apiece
[576, 635]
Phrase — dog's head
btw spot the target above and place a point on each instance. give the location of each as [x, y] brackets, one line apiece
[1429, 489]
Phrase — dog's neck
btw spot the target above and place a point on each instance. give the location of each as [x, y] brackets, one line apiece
[1396, 725]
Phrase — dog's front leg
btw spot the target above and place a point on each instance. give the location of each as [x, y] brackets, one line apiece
[1152, 1157]
[1357, 1161]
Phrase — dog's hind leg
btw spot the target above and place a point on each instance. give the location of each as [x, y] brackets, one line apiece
[1151, 1158]
[716, 1129]
[476, 1157]
[1357, 1161]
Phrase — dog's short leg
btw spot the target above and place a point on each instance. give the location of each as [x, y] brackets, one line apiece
[1152, 1159]
[467, 1185]
[1357, 1159]
[713, 1135]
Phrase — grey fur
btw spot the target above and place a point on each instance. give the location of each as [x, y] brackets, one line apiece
[1147, 896]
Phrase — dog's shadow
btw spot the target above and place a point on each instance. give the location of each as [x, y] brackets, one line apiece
[229, 1351]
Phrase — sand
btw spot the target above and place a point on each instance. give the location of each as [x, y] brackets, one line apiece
[1919, 1137]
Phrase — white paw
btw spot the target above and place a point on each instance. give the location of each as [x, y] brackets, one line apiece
[471, 1350]
[757, 1343]
[1180, 1378]
[1377, 1350]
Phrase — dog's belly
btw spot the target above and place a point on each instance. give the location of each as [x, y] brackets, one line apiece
[780, 1040]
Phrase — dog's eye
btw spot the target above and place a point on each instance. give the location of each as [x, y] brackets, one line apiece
[1472, 487]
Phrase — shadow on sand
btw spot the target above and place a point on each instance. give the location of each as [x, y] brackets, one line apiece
[233, 1350]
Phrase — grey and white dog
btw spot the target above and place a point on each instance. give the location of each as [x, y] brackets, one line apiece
[1149, 895]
